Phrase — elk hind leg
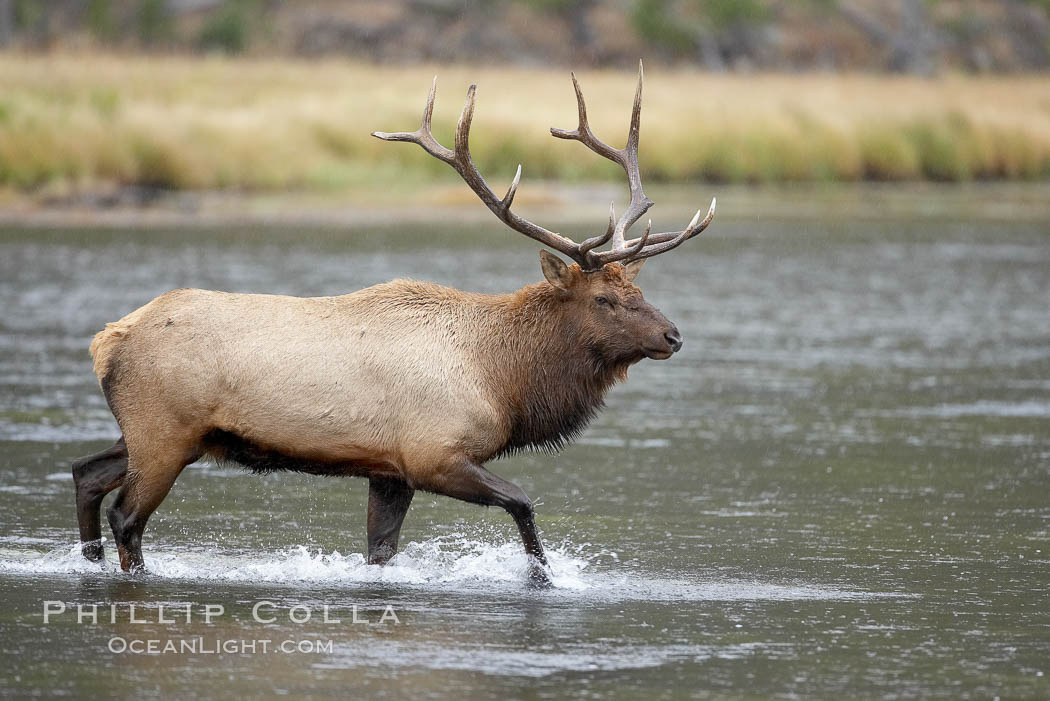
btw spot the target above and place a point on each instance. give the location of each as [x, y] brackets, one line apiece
[388, 502]
[95, 476]
[147, 482]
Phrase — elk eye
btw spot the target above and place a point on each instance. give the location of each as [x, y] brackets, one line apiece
[602, 301]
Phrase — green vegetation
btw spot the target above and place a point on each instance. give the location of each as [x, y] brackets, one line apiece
[229, 30]
[725, 13]
[179, 123]
[653, 23]
[154, 24]
[677, 28]
[100, 19]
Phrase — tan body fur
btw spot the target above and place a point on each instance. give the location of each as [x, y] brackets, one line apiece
[386, 379]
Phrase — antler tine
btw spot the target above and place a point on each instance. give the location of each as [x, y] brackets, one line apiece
[422, 136]
[459, 158]
[590, 244]
[627, 254]
[512, 190]
[582, 132]
[463, 125]
[661, 243]
[636, 113]
[640, 204]
[428, 110]
[626, 158]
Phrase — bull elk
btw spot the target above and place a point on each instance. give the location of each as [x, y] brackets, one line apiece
[412, 385]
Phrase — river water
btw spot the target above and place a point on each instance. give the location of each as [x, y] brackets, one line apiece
[841, 485]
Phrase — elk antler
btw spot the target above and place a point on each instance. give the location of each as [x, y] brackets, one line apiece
[583, 253]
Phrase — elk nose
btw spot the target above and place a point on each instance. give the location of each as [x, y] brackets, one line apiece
[674, 339]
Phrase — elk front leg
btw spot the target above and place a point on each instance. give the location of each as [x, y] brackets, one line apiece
[472, 483]
[388, 501]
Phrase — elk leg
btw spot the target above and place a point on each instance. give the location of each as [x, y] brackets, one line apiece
[138, 499]
[388, 501]
[473, 483]
[95, 476]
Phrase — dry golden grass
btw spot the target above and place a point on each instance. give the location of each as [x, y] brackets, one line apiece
[256, 124]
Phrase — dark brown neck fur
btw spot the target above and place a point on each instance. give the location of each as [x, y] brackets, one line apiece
[552, 378]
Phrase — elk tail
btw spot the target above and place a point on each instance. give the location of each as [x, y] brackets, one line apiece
[108, 340]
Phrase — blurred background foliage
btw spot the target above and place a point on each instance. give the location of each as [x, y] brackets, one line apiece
[915, 36]
[274, 94]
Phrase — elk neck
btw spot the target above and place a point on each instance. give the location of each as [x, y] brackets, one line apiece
[549, 376]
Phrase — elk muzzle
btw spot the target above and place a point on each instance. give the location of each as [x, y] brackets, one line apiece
[663, 344]
[674, 339]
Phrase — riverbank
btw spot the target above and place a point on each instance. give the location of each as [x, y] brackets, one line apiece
[579, 208]
[74, 124]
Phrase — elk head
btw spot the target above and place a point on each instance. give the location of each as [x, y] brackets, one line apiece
[615, 320]
[600, 281]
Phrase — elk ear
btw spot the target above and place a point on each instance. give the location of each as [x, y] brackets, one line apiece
[631, 270]
[555, 270]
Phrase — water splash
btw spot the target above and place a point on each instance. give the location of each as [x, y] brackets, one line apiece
[446, 559]
[446, 563]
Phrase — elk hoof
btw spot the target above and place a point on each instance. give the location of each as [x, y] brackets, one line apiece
[92, 550]
[539, 575]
